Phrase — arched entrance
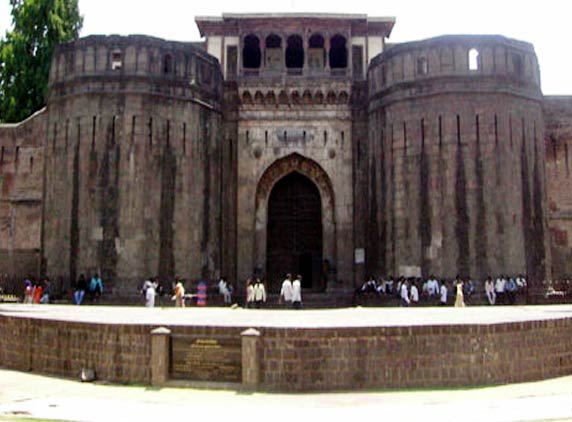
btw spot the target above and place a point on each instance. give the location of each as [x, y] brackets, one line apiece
[294, 231]
[302, 175]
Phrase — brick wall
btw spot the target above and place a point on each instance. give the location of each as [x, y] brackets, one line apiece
[310, 359]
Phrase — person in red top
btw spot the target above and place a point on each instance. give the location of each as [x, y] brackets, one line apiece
[38, 292]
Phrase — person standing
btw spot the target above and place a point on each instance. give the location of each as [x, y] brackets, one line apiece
[510, 289]
[490, 291]
[38, 292]
[286, 292]
[499, 288]
[29, 292]
[95, 287]
[414, 295]
[297, 292]
[249, 294]
[179, 295]
[443, 293]
[150, 294]
[259, 294]
[460, 298]
[223, 289]
[404, 293]
[80, 288]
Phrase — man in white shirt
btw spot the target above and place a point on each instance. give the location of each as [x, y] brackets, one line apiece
[259, 293]
[499, 288]
[404, 294]
[224, 290]
[414, 294]
[286, 292]
[443, 293]
[432, 287]
[297, 292]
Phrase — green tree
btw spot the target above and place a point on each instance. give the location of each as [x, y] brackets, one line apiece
[26, 53]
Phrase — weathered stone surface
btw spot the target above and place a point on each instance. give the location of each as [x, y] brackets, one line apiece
[157, 157]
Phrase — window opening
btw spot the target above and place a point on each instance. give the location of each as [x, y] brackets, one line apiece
[167, 64]
[251, 52]
[316, 53]
[273, 52]
[473, 59]
[294, 52]
[422, 67]
[338, 52]
[116, 60]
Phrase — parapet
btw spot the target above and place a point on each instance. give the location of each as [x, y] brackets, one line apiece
[457, 63]
[134, 63]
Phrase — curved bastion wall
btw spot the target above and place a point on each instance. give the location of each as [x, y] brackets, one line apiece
[457, 159]
[132, 151]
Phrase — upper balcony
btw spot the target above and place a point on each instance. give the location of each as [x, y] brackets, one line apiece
[275, 57]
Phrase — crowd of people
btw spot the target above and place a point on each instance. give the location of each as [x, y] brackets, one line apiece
[408, 291]
[411, 290]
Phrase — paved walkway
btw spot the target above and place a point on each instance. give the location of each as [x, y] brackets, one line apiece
[25, 396]
[327, 318]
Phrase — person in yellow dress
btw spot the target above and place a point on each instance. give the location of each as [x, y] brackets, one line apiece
[460, 299]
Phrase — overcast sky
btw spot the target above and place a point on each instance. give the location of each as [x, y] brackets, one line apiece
[546, 24]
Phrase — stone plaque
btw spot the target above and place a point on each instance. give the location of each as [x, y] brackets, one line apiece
[217, 358]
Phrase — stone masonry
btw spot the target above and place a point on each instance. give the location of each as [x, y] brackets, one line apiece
[155, 157]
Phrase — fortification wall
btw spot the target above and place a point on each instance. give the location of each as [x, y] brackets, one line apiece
[558, 139]
[133, 156]
[21, 184]
[457, 159]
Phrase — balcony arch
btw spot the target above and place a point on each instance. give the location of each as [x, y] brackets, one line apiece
[294, 52]
[251, 56]
[273, 52]
[338, 52]
[316, 53]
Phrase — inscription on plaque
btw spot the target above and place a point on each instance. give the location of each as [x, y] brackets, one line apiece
[206, 358]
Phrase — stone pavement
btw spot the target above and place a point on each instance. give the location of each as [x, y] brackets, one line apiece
[24, 396]
[319, 318]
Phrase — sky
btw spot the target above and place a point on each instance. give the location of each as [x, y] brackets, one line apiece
[545, 24]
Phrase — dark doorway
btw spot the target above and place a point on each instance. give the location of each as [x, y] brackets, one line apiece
[294, 233]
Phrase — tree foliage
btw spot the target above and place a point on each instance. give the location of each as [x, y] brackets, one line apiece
[26, 53]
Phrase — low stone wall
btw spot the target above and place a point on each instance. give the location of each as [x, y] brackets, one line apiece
[307, 359]
[404, 357]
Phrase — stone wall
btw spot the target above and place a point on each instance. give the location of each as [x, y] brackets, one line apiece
[310, 359]
[457, 159]
[21, 184]
[558, 138]
[133, 170]
[308, 121]
[117, 353]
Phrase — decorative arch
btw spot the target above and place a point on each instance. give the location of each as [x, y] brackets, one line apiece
[295, 98]
[275, 172]
[283, 98]
[331, 98]
[246, 98]
[270, 98]
[258, 98]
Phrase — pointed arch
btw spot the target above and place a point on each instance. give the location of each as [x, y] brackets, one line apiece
[275, 172]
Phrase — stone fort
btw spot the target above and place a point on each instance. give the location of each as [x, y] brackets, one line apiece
[303, 143]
